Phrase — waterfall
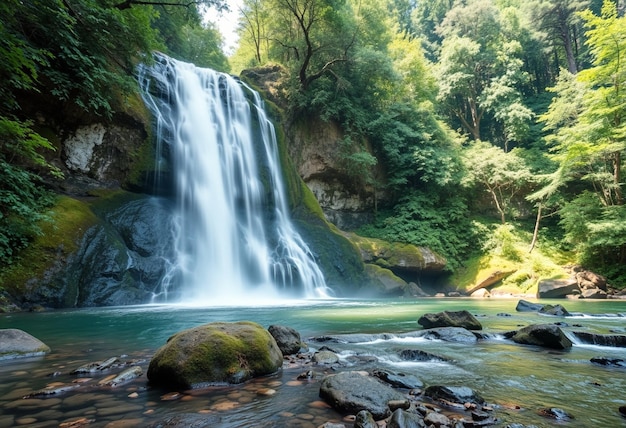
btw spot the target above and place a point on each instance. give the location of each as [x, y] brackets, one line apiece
[233, 238]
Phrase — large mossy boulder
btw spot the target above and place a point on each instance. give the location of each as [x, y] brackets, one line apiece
[545, 335]
[461, 319]
[215, 353]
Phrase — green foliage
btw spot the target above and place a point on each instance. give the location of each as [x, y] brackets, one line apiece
[435, 220]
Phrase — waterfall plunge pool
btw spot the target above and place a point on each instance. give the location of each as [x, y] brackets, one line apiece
[519, 380]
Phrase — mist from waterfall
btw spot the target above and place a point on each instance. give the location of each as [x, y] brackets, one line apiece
[234, 239]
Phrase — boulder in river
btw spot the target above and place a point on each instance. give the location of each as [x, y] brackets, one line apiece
[609, 361]
[614, 340]
[15, 343]
[450, 334]
[287, 339]
[398, 380]
[215, 353]
[526, 306]
[454, 394]
[556, 310]
[546, 335]
[351, 392]
[461, 319]
[419, 355]
[557, 288]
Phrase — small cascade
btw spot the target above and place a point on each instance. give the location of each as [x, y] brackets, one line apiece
[233, 236]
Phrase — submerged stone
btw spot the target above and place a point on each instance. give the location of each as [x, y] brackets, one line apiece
[215, 353]
[454, 394]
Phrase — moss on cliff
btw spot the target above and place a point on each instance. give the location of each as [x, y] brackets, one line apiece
[60, 237]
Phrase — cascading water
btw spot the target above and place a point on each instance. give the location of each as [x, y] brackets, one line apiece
[234, 238]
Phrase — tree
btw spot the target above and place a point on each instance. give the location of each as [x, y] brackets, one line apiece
[502, 175]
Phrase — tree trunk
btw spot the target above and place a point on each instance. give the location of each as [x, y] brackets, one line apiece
[536, 231]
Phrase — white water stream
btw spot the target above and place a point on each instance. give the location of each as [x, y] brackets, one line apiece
[234, 238]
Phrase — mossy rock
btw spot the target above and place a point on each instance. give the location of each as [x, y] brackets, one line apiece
[384, 282]
[215, 353]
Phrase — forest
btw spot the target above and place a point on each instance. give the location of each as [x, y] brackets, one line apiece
[500, 125]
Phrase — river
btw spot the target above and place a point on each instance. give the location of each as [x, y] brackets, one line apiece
[518, 380]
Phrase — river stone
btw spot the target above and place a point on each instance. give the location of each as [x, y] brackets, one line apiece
[16, 343]
[419, 355]
[526, 306]
[450, 334]
[461, 319]
[287, 339]
[556, 310]
[325, 357]
[555, 413]
[398, 380]
[351, 392]
[364, 419]
[557, 288]
[217, 352]
[546, 335]
[403, 419]
[593, 293]
[609, 361]
[454, 394]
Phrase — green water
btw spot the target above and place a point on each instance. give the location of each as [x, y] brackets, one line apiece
[518, 380]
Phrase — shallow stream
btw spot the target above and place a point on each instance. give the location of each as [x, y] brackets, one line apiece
[518, 380]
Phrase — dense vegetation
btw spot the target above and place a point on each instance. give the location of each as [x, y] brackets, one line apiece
[486, 115]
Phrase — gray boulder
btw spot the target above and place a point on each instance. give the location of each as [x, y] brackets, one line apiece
[403, 419]
[461, 319]
[287, 339]
[398, 380]
[593, 293]
[557, 288]
[526, 306]
[364, 419]
[454, 394]
[556, 310]
[419, 355]
[215, 353]
[614, 340]
[351, 392]
[450, 334]
[16, 343]
[545, 335]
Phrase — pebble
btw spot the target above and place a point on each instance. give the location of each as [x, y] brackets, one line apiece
[318, 404]
[267, 392]
[224, 405]
[75, 423]
[25, 421]
[133, 395]
[126, 423]
[171, 396]
[119, 409]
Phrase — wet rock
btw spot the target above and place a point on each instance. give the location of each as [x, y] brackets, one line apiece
[593, 293]
[351, 392]
[54, 389]
[364, 419]
[325, 357]
[16, 343]
[437, 420]
[218, 352]
[461, 319]
[546, 335]
[187, 420]
[556, 310]
[287, 339]
[398, 380]
[95, 367]
[450, 334]
[453, 394]
[125, 376]
[332, 425]
[419, 355]
[609, 362]
[557, 288]
[403, 419]
[622, 410]
[614, 340]
[555, 413]
[526, 306]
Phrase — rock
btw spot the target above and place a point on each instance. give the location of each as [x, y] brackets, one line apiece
[454, 394]
[481, 293]
[403, 419]
[325, 357]
[125, 376]
[614, 340]
[398, 380]
[287, 339]
[419, 355]
[555, 413]
[351, 392]
[218, 352]
[414, 290]
[546, 335]
[526, 306]
[461, 319]
[593, 293]
[622, 410]
[556, 310]
[364, 419]
[16, 343]
[437, 420]
[492, 278]
[384, 281]
[589, 280]
[450, 334]
[609, 361]
[95, 367]
[557, 288]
